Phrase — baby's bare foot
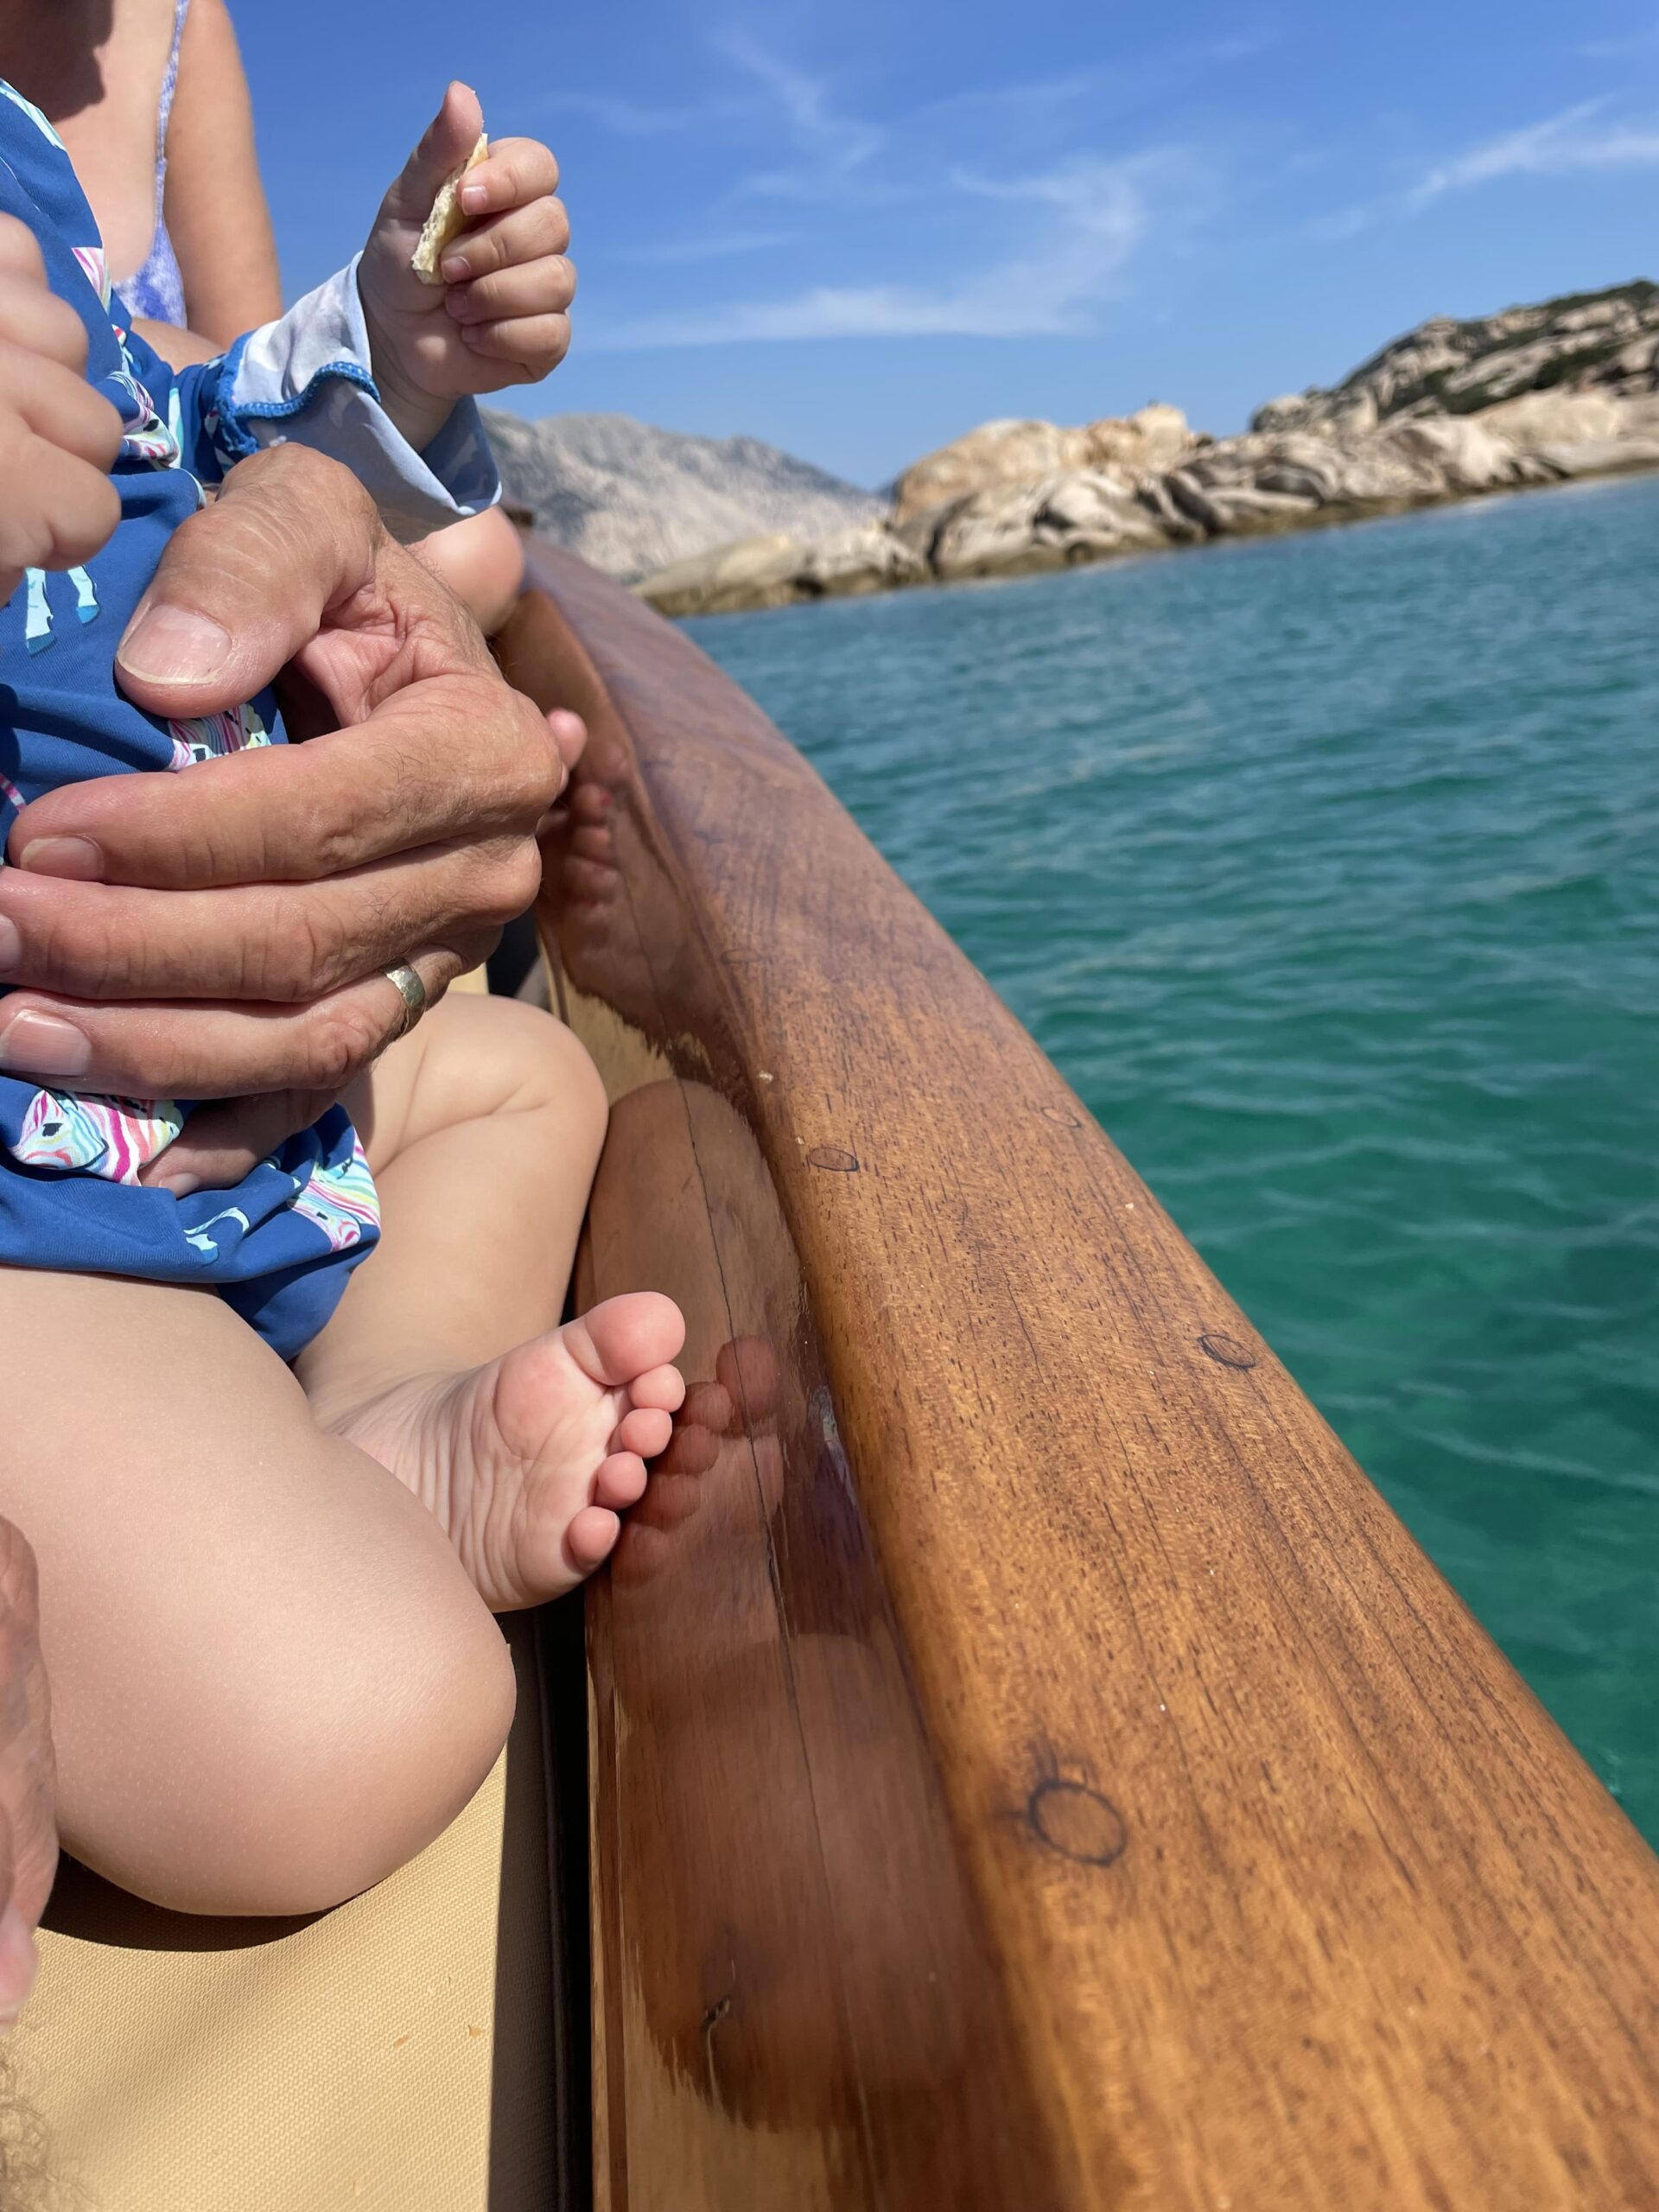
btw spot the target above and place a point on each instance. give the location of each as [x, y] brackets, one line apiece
[528, 1461]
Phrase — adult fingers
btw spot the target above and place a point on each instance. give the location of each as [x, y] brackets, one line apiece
[274, 944]
[518, 171]
[299, 813]
[530, 288]
[212, 1051]
[522, 234]
[534, 344]
[244, 584]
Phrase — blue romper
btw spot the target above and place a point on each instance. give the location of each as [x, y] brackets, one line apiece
[277, 1247]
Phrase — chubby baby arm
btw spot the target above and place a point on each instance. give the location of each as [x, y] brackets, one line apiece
[501, 316]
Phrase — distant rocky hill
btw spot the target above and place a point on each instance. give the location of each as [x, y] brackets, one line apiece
[1532, 397]
[633, 499]
[1587, 341]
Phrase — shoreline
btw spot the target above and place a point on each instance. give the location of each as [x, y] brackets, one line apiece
[1023, 499]
[1237, 541]
[755, 575]
[1233, 540]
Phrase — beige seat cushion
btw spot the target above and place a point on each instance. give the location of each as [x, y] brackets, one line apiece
[348, 2064]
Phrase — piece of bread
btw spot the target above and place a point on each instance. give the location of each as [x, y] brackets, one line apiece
[445, 222]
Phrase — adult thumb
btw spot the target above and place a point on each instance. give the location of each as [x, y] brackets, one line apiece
[448, 139]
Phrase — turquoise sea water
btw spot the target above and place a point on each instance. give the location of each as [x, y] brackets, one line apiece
[1327, 869]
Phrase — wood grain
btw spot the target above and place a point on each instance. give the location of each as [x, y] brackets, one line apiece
[1031, 1764]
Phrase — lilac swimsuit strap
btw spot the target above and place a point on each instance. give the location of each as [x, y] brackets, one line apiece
[157, 289]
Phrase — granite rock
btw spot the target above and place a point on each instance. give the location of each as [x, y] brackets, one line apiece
[1453, 410]
[1009, 452]
[632, 499]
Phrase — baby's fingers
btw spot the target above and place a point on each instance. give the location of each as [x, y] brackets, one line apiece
[57, 510]
[506, 241]
[518, 171]
[536, 288]
[60, 408]
[531, 345]
[220, 1146]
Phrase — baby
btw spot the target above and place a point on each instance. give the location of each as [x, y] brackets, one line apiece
[275, 1496]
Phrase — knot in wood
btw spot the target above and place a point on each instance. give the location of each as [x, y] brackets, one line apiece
[833, 1160]
[1226, 1352]
[1078, 1822]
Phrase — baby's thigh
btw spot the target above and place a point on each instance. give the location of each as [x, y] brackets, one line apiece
[272, 1681]
[473, 1057]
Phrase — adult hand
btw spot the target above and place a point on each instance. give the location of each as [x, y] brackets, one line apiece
[28, 1835]
[219, 933]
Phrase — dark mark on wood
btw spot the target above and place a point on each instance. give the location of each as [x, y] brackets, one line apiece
[1078, 1822]
[1226, 1352]
[1060, 1116]
[711, 2020]
[831, 1156]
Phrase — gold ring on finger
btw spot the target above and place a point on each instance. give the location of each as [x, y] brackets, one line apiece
[409, 986]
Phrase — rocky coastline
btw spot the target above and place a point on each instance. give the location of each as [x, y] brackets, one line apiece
[1537, 396]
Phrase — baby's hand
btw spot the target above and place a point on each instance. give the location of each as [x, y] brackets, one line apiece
[58, 438]
[502, 317]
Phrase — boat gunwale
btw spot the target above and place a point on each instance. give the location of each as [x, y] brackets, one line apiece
[1289, 1882]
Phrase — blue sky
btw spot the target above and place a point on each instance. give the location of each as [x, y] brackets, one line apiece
[855, 228]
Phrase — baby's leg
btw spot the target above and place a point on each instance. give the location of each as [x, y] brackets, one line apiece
[483, 1128]
[444, 1359]
[272, 1682]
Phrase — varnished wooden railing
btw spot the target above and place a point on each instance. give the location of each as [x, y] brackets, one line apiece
[1031, 1767]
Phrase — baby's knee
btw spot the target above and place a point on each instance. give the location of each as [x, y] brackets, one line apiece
[552, 1069]
[385, 1763]
[347, 1763]
[398, 1759]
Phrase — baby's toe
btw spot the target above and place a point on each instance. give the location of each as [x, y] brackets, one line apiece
[647, 1431]
[621, 1481]
[591, 1537]
[660, 1388]
[634, 1335]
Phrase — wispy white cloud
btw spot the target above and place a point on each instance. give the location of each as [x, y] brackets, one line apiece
[1577, 138]
[992, 245]
[830, 144]
[1581, 140]
[1088, 216]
